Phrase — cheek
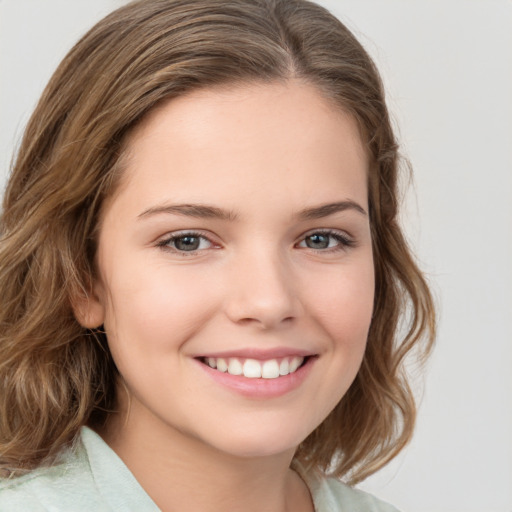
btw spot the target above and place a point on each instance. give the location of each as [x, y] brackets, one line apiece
[157, 309]
[342, 309]
[344, 304]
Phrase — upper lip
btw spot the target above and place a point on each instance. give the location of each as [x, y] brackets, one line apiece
[259, 354]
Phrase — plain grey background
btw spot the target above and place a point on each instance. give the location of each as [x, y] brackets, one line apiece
[447, 65]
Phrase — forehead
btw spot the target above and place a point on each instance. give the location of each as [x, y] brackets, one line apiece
[249, 137]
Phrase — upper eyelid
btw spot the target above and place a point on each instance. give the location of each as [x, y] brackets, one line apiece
[164, 240]
[170, 235]
[327, 231]
[345, 240]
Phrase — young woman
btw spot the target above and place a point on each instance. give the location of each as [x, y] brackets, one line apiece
[202, 273]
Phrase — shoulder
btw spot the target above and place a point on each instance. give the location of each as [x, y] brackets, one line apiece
[89, 476]
[331, 495]
[64, 486]
[348, 498]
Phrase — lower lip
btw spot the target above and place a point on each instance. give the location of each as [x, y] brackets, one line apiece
[260, 388]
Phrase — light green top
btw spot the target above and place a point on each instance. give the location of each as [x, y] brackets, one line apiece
[93, 478]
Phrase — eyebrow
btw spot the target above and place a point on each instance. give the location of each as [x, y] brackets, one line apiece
[202, 211]
[198, 211]
[318, 212]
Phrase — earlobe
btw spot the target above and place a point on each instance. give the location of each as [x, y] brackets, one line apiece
[88, 309]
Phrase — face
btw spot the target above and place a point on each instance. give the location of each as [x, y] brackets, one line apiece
[235, 267]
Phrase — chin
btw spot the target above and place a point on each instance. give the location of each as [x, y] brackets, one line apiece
[263, 442]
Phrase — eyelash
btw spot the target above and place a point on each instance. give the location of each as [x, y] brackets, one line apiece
[344, 242]
[166, 243]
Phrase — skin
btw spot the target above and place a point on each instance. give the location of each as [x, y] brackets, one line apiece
[261, 154]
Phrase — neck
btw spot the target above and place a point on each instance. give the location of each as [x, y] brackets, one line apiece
[180, 472]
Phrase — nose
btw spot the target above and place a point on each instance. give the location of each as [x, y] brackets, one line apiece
[262, 291]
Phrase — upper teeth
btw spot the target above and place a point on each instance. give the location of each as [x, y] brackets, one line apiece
[254, 369]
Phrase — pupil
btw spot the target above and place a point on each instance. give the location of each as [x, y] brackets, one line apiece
[187, 243]
[317, 241]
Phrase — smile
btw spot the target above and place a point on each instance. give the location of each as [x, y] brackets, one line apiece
[255, 369]
[259, 375]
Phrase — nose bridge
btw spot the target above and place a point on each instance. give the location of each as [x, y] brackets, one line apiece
[262, 288]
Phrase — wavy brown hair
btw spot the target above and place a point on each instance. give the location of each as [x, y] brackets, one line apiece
[56, 375]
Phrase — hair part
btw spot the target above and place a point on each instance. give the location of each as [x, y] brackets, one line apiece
[57, 375]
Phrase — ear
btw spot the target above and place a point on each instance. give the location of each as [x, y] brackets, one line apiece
[88, 307]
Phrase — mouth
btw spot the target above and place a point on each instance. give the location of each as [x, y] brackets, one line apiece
[259, 374]
[256, 369]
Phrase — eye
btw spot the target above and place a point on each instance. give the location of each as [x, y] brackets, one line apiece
[186, 242]
[322, 240]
